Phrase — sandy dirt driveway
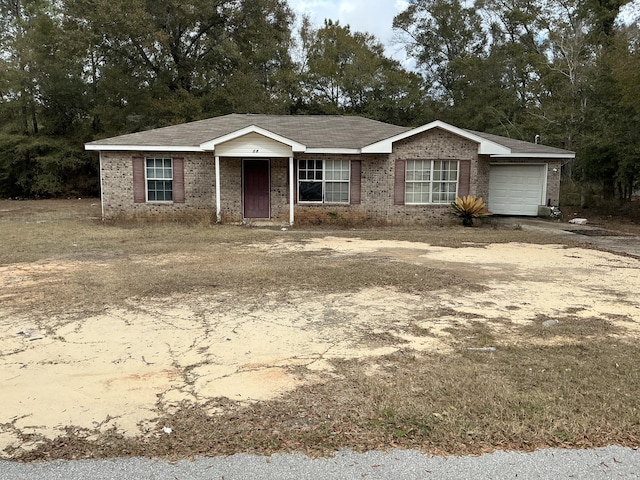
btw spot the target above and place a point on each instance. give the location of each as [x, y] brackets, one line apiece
[123, 367]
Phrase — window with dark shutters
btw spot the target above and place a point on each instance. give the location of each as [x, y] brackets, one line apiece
[168, 186]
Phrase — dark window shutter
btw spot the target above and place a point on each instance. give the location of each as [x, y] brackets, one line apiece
[139, 188]
[398, 183]
[464, 178]
[355, 186]
[178, 180]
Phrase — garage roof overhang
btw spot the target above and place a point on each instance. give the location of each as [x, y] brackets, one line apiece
[537, 155]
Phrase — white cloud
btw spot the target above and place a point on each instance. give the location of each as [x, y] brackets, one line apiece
[630, 13]
[375, 18]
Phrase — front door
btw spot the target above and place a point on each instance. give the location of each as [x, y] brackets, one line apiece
[255, 188]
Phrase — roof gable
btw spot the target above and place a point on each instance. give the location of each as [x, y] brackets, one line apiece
[485, 146]
[247, 132]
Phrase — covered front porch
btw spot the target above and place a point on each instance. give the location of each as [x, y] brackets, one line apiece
[267, 169]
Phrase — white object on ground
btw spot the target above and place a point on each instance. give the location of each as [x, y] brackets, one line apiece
[578, 221]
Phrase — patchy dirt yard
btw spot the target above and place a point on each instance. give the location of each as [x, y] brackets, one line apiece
[111, 339]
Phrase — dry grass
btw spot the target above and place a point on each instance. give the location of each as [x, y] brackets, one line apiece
[336, 218]
[614, 216]
[522, 398]
[579, 394]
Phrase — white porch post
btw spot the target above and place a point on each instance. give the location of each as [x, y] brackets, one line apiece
[292, 190]
[218, 209]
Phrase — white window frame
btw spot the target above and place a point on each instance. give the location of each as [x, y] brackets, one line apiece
[148, 178]
[430, 181]
[324, 181]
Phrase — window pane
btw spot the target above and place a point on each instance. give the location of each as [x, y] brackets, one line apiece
[336, 170]
[422, 170]
[159, 190]
[167, 190]
[444, 192]
[336, 192]
[417, 192]
[159, 168]
[329, 175]
[345, 168]
[310, 192]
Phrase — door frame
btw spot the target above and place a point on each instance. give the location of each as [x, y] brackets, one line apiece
[250, 159]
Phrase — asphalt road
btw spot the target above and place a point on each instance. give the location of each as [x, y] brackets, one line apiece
[603, 463]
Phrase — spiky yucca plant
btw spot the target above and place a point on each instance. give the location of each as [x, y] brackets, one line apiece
[468, 208]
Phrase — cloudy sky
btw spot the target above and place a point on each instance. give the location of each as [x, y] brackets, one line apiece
[376, 17]
[372, 16]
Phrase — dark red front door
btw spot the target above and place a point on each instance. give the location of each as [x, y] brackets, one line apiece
[255, 188]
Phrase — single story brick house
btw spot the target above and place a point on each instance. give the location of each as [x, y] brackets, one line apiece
[248, 167]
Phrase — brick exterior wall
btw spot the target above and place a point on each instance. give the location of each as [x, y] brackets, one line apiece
[436, 144]
[377, 181]
[116, 171]
[378, 173]
[199, 178]
[480, 181]
[374, 189]
[230, 189]
[280, 189]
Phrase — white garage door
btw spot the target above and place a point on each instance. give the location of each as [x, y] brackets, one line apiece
[516, 189]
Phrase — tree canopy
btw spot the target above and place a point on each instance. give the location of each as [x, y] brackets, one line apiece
[76, 70]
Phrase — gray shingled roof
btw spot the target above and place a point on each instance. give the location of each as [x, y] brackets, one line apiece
[520, 146]
[314, 131]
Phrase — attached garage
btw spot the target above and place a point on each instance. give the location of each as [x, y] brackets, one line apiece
[517, 189]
